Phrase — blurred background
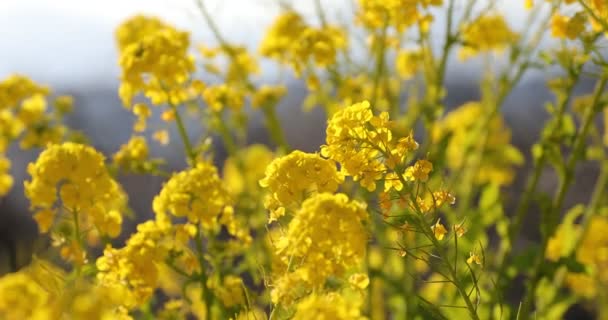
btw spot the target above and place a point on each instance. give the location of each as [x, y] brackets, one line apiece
[69, 46]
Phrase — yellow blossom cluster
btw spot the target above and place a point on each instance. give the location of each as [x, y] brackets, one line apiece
[500, 157]
[592, 252]
[290, 40]
[326, 237]
[73, 178]
[268, 96]
[400, 14]
[241, 64]
[25, 115]
[486, 33]
[291, 178]
[197, 194]
[330, 306]
[6, 181]
[40, 291]
[135, 266]
[22, 298]
[133, 152]
[156, 62]
[255, 159]
[223, 96]
[364, 146]
[594, 12]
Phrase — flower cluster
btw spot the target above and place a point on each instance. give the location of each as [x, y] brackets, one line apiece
[155, 63]
[291, 41]
[25, 115]
[326, 237]
[486, 33]
[71, 179]
[291, 178]
[400, 14]
[197, 194]
[590, 252]
[6, 181]
[500, 157]
[326, 307]
[135, 266]
[364, 145]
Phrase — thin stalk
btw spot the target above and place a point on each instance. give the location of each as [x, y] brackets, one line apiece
[206, 294]
[184, 135]
[379, 70]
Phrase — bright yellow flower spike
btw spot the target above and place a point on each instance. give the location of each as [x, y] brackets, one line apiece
[291, 178]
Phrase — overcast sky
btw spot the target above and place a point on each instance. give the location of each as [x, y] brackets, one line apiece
[69, 43]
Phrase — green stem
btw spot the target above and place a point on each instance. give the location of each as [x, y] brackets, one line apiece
[379, 71]
[207, 296]
[227, 137]
[274, 128]
[184, 135]
[77, 237]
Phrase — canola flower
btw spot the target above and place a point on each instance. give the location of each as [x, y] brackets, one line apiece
[291, 178]
[366, 226]
[74, 178]
[155, 62]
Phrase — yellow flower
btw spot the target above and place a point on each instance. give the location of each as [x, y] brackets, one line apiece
[279, 38]
[391, 181]
[439, 231]
[500, 156]
[268, 96]
[486, 33]
[230, 292]
[22, 298]
[157, 64]
[359, 280]
[442, 197]
[6, 181]
[291, 41]
[419, 171]
[408, 63]
[134, 267]
[15, 88]
[460, 230]
[351, 143]
[197, 194]
[400, 14]
[325, 238]
[331, 306]
[44, 218]
[255, 159]
[161, 136]
[219, 97]
[32, 109]
[75, 174]
[136, 28]
[564, 27]
[132, 153]
[474, 258]
[291, 178]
